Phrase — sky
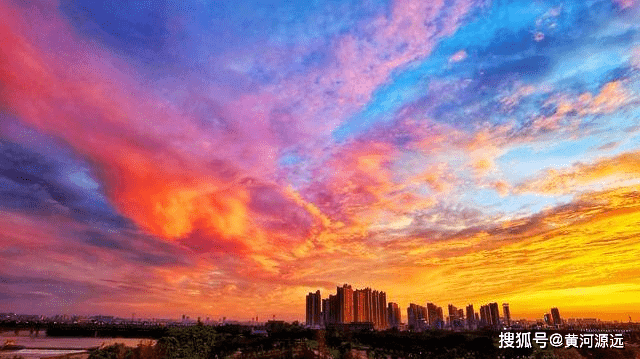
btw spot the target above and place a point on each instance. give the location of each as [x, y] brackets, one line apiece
[225, 158]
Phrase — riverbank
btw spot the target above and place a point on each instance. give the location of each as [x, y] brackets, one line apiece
[42, 347]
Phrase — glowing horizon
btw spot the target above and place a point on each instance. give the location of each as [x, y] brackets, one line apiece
[225, 159]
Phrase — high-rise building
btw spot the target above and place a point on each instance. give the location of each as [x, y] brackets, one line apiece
[314, 304]
[385, 314]
[416, 317]
[453, 314]
[362, 305]
[375, 307]
[506, 313]
[485, 316]
[380, 321]
[393, 314]
[330, 310]
[456, 317]
[349, 306]
[495, 315]
[555, 315]
[547, 319]
[382, 298]
[489, 315]
[432, 316]
[471, 316]
[324, 313]
[370, 306]
[345, 304]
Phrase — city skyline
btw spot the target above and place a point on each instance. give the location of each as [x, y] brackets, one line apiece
[315, 300]
[226, 158]
[431, 313]
[368, 305]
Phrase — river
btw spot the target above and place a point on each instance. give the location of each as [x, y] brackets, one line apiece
[43, 346]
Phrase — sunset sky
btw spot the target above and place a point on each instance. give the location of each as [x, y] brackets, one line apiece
[225, 158]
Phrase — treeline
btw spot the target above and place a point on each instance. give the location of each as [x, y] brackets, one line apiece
[294, 341]
[202, 342]
[205, 342]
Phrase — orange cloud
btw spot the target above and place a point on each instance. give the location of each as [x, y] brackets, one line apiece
[605, 173]
[612, 97]
[147, 173]
[501, 187]
[563, 253]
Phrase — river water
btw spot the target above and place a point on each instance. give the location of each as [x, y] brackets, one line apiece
[45, 347]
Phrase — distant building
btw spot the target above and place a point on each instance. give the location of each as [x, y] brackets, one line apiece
[506, 313]
[323, 313]
[440, 315]
[314, 308]
[582, 321]
[359, 306]
[432, 316]
[471, 316]
[495, 315]
[362, 305]
[379, 309]
[456, 317]
[330, 310]
[345, 304]
[393, 315]
[370, 306]
[416, 317]
[547, 319]
[555, 315]
[485, 316]
[453, 314]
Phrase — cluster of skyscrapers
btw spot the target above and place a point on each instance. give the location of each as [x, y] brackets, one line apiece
[349, 306]
[432, 317]
[553, 318]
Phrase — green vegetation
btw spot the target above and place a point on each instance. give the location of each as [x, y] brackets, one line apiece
[293, 341]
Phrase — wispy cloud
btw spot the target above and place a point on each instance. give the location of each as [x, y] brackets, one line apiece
[165, 158]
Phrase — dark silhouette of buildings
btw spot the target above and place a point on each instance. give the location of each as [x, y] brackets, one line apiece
[507, 314]
[485, 316]
[489, 315]
[495, 315]
[440, 320]
[364, 308]
[453, 313]
[555, 315]
[314, 303]
[330, 310]
[471, 317]
[393, 315]
[435, 317]
[454, 316]
[416, 317]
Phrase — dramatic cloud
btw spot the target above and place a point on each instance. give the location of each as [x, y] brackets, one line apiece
[208, 157]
